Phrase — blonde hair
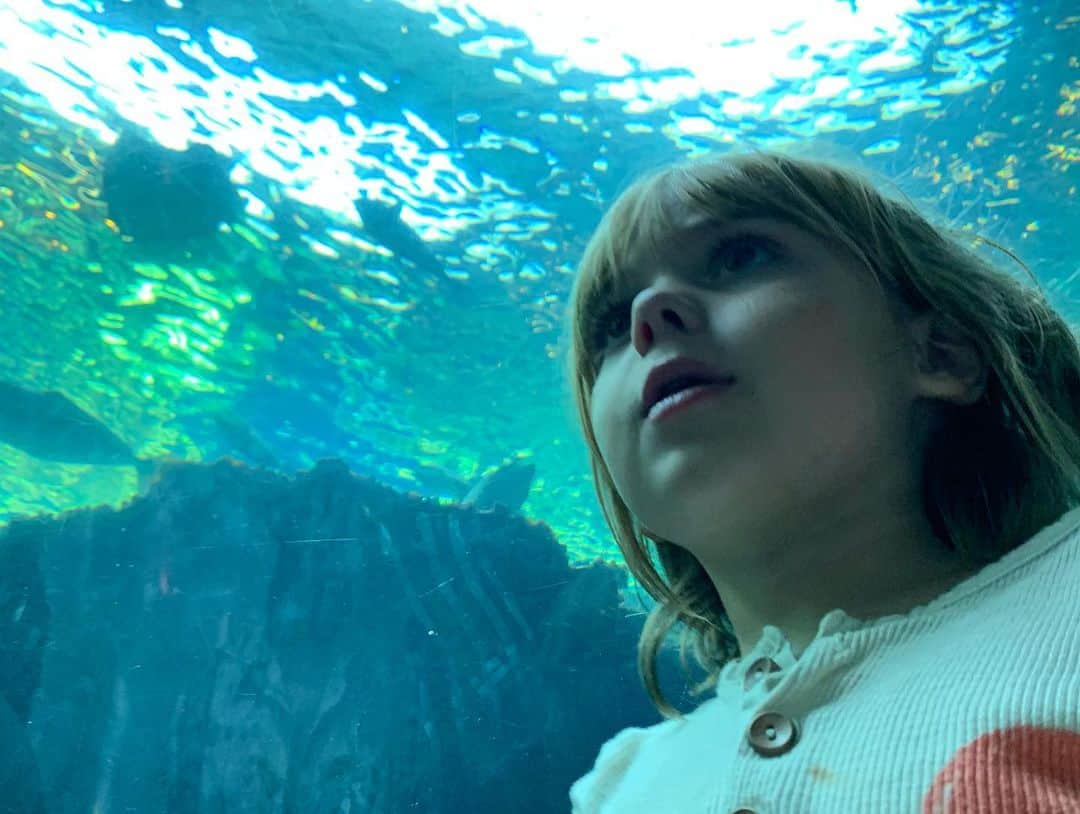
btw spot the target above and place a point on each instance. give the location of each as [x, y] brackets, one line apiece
[995, 472]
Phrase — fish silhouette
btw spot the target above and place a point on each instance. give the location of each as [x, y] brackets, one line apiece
[235, 437]
[383, 222]
[507, 486]
[164, 197]
[49, 426]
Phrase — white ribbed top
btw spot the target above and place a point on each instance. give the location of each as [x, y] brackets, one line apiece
[967, 705]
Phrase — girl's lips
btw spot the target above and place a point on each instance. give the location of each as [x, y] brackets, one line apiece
[677, 402]
[674, 368]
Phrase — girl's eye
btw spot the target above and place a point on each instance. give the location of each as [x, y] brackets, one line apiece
[743, 251]
[612, 322]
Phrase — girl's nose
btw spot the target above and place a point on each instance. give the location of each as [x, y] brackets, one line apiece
[663, 309]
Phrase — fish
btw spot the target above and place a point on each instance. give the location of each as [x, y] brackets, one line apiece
[239, 437]
[47, 425]
[230, 435]
[383, 222]
[508, 486]
[165, 198]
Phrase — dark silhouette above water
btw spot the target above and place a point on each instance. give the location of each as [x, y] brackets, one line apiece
[164, 198]
[383, 223]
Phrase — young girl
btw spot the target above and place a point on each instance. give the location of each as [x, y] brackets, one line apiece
[840, 449]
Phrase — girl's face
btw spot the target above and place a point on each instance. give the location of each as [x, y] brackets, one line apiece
[821, 393]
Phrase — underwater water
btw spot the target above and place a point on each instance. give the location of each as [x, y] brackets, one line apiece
[238, 240]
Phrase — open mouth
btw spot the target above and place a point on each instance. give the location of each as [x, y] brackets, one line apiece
[675, 375]
[685, 392]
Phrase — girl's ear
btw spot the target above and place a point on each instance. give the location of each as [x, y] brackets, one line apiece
[949, 367]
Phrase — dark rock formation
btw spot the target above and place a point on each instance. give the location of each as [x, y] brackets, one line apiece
[240, 641]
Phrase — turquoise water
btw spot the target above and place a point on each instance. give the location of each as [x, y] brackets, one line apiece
[503, 155]
[371, 258]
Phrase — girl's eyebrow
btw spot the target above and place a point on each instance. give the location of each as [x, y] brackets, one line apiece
[706, 228]
[692, 238]
[715, 228]
[738, 223]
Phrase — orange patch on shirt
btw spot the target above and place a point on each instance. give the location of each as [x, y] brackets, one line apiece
[1020, 770]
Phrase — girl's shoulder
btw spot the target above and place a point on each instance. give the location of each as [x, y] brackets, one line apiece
[613, 763]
